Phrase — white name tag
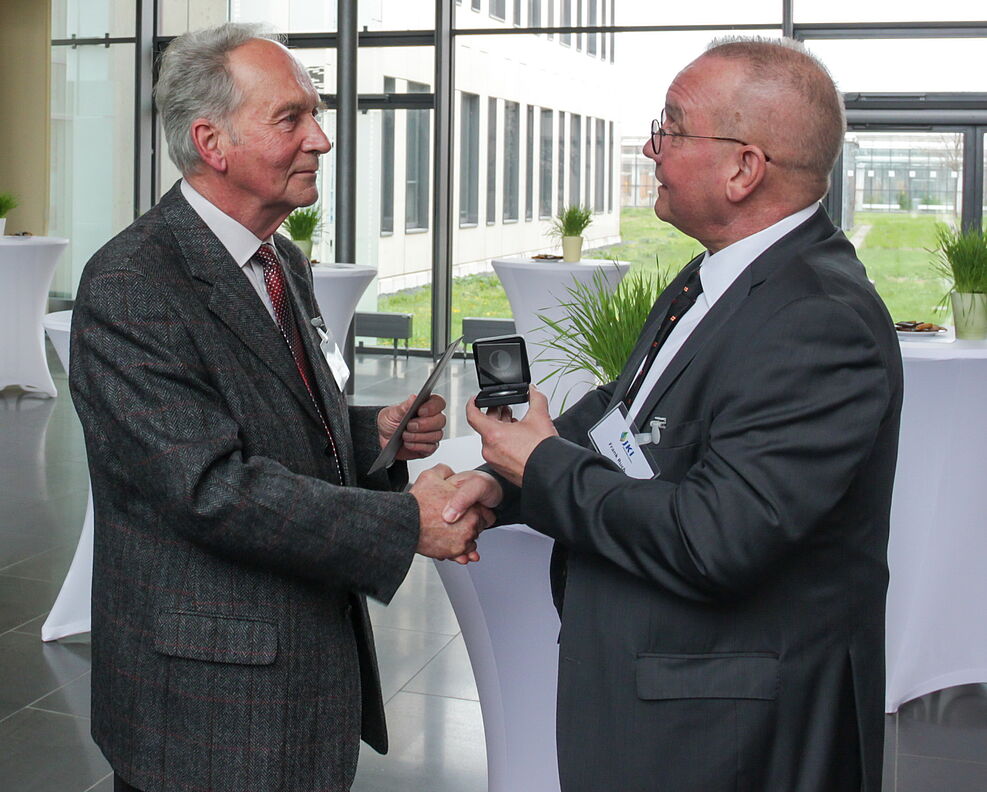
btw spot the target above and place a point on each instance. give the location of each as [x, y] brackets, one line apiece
[330, 351]
[614, 438]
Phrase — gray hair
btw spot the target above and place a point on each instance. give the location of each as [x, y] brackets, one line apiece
[194, 81]
[776, 67]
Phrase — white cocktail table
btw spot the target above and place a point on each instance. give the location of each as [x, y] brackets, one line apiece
[539, 287]
[71, 614]
[338, 288]
[27, 265]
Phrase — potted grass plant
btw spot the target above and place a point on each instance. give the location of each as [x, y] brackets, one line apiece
[961, 260]
[568, 226]
[600, 326]
[7, 202]
[302, 226]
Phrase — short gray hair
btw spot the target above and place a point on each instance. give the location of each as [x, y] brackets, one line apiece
[194, 81]
[817, 139]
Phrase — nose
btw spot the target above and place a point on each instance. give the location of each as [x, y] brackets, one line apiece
[316, 139]
[648, 150]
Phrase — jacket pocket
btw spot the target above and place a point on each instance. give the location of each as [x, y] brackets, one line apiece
[733, 675]
[215, 638]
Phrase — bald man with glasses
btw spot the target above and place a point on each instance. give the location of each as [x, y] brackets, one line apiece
[721, 579]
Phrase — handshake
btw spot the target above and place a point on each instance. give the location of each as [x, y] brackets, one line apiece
[453, 507]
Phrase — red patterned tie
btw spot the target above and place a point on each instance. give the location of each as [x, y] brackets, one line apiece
[276, 290]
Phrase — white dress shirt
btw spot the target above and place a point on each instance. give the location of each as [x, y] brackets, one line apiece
[717, 272]
[240, 242]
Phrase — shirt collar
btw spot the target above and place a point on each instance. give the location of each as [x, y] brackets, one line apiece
[236, 238]
[720, 269]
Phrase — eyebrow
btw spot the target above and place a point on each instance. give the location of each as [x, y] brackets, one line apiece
[297, 107]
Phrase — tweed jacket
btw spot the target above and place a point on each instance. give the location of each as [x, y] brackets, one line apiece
[234, 544]
[723, 622]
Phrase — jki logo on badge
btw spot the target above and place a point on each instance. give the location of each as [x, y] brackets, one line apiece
[614, 438]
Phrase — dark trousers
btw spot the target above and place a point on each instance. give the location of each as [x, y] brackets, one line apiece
[119, 785]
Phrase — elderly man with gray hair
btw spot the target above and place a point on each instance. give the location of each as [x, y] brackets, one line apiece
[721, 510]
[238, 530]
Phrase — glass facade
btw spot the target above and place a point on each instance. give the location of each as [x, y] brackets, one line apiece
[539, 121]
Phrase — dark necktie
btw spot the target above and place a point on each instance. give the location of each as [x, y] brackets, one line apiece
[676, 310]
[277, 291]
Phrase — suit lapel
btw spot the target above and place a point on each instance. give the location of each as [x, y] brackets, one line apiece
[816, 228]
[650, 329]
[332, 401]
[232, 298]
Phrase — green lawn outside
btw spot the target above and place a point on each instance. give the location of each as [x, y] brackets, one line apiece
[894, 251]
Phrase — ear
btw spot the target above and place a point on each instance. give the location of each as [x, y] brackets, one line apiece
[210, 142]
[751, 168]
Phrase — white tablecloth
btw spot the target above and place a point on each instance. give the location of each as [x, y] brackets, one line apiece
[338, 288]
[504, 607]
[539, 287]
[70, 614]
[937, 637]
[27, 265]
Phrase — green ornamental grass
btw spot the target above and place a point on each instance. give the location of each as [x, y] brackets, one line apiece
[302, 224]
[7, 202]
[601, 326]
[571, 221]
[961, 259]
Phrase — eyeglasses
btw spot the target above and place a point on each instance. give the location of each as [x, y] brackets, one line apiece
[658, 132]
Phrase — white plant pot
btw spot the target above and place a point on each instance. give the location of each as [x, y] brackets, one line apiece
[572, 249]
[304, 245]
[970, 315]
[3, 224]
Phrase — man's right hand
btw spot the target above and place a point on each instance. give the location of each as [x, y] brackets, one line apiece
[439, 539]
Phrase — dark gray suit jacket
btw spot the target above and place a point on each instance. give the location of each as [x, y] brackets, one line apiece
[231, 643]
[723, 624]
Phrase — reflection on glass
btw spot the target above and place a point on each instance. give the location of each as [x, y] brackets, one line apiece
[886, 11]
[896, 187]
[92, 152]
[512, 154]
[529, 164]
[469, 159]
[92, 18]
[903, 65]
[491, 160]
[418, 172]
[984, 202]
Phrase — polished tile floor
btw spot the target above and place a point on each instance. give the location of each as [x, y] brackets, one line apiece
[935, 744]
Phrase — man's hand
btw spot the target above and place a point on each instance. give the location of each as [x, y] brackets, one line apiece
[424, 431]
[438, 538]
[507, 444]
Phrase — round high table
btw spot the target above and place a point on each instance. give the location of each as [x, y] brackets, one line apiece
[936, 636]
[71, 614]
[511, 630]
[338, 288]
[540, 287]
[27, 265]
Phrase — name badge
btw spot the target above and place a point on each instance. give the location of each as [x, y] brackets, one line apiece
[330, 351]
[613, 437]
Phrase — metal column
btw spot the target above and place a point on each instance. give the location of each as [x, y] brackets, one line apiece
[444, 92]
[346, 97]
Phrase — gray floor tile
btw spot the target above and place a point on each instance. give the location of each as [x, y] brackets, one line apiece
[17, 546]
[57, 519]
[22, 599]
[32, 669]
[890, 752]
[104, 785]
[420, 604]
[70, 699]
[948, 724]
[49, 565]
[33, 627]
[447, 674]
[927, 774]
[436, 744]
[48, 752]
[401, 654]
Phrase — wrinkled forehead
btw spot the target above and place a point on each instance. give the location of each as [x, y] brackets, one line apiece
[703, 89]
